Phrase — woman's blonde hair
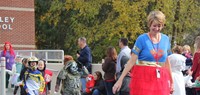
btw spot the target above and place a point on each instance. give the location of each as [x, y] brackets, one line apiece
[186, 47]
[197, 43]
[156, 16]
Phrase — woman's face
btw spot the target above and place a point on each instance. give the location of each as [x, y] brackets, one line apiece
[7, 46]
[40, 65]
[95, 76]
[156, 27]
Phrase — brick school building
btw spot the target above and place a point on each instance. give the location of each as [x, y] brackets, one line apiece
[17, 23]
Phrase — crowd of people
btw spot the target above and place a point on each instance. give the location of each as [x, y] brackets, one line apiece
[149, 68]
[28, 74]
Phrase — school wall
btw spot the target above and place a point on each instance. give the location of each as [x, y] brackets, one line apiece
[17, 23]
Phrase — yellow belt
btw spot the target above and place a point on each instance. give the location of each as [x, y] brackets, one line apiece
[147, 63]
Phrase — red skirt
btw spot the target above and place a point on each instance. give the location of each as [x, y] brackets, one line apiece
[144, 81]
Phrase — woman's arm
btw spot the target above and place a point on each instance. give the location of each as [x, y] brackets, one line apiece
[168, 66]
[127, 68]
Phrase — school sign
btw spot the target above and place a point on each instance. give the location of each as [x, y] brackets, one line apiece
[17, 23]
[6, 22]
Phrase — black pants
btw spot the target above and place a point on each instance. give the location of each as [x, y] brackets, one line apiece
[89, 68]
[190, 91]
[22, 90]
[7, 79]
[122, 93]
[15, 90]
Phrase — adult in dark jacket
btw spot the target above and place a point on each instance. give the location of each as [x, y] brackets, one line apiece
[125, 85]
[109, 67]
[84, 56]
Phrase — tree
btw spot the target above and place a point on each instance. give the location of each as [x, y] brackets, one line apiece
[59, 23]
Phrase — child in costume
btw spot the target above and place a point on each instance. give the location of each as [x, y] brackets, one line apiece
[16, 70]
[33, 81]
[47, 74]
[177, 62]
[95, 84]
[70, 78]
[90, 82]
[21, 76]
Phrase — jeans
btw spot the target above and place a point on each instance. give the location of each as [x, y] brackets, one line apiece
[96, 92]
[109, 86]
[122, 93]
[198, 92]
[83, 82]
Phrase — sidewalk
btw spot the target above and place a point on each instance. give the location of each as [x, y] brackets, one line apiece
[10, 91]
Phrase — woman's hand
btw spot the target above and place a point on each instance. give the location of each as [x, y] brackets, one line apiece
[171, 88]
[117, 86]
